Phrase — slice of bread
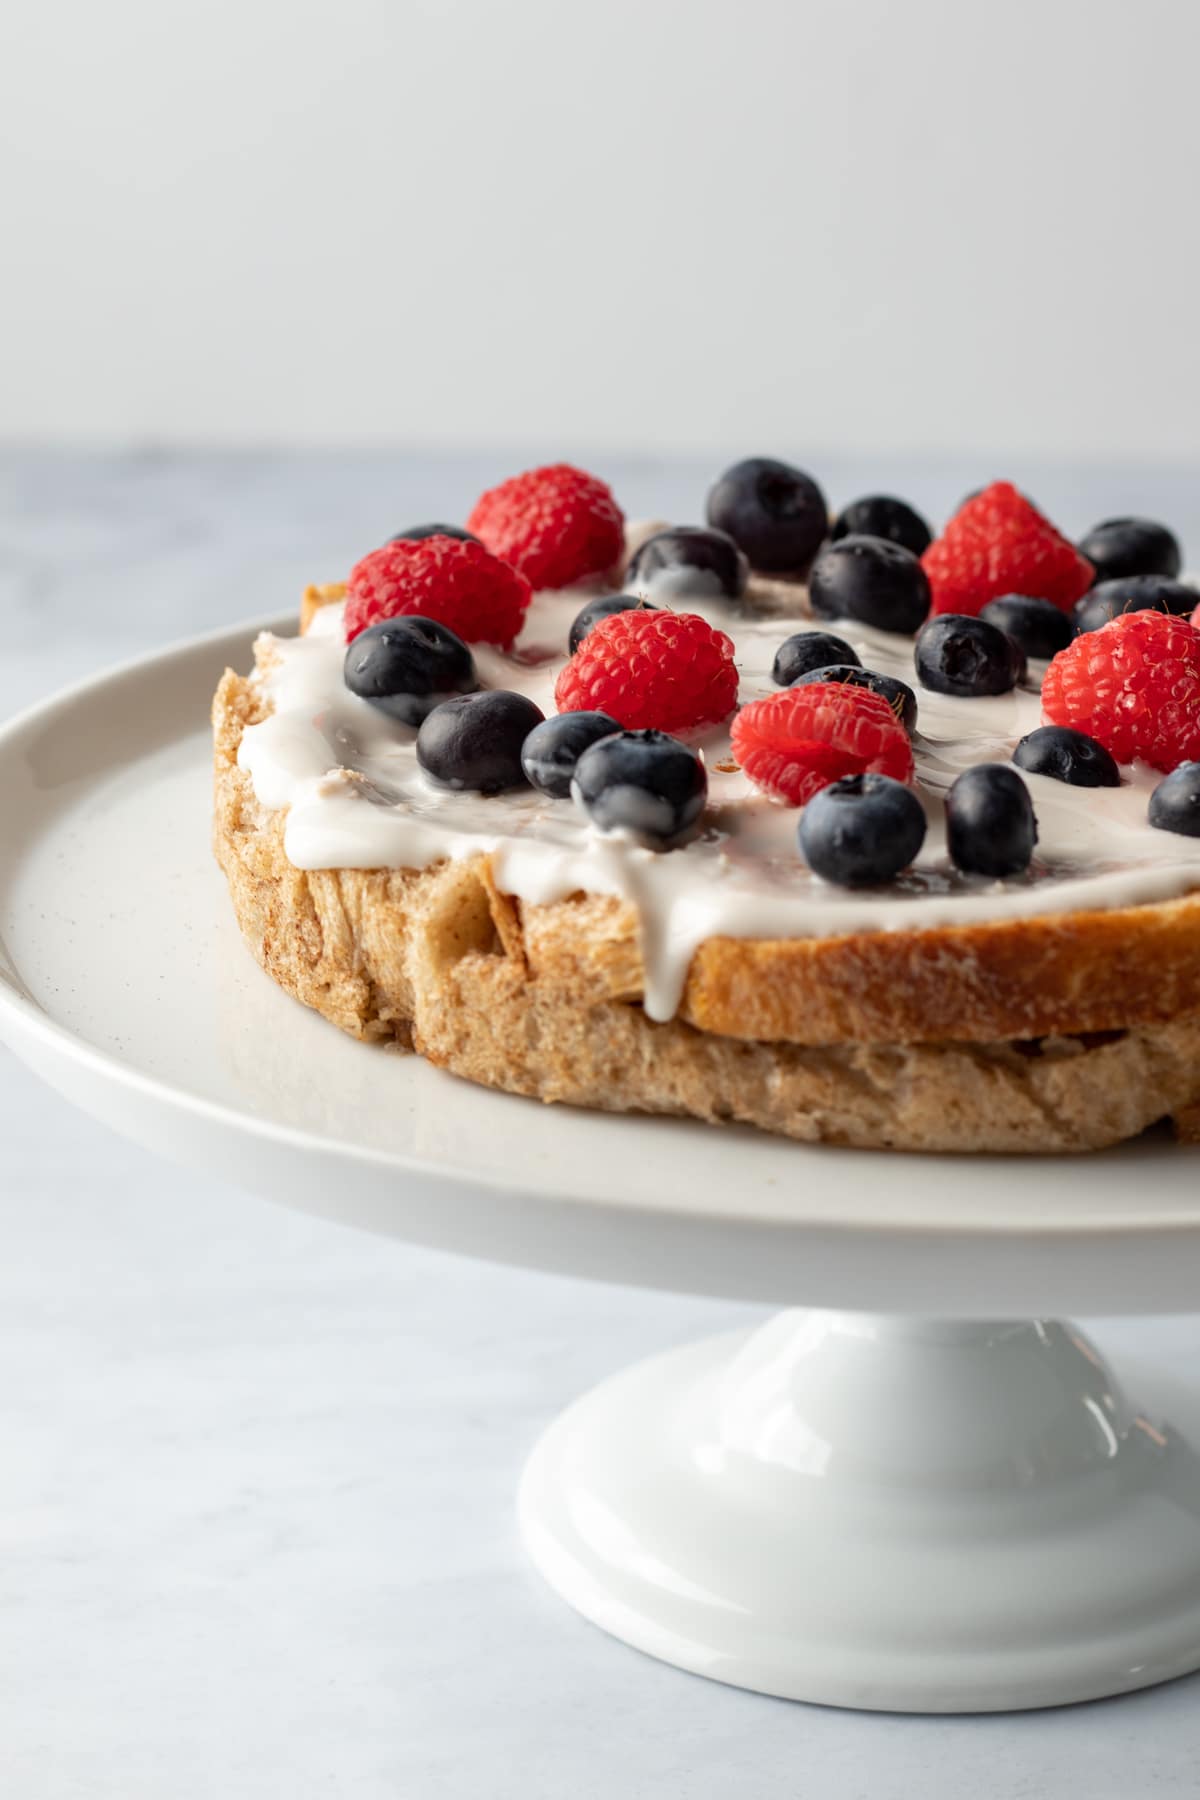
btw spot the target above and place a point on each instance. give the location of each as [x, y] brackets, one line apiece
[1064, 1033]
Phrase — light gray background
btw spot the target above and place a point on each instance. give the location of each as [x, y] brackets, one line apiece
[799, 225]
[257, 1472]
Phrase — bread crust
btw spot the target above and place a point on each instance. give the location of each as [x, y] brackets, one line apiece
[872, 1040]
[1026, 978]
[329, 593]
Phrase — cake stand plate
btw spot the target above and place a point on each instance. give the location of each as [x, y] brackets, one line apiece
[863, 1506]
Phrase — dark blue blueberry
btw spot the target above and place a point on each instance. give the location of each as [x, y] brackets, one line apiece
[689, 560]
[1133, 593]
[882, 516]
[775, 513]
[475, 741]
[990, 823]
[643, 782]
[809, 650]
[603, 608]
[1118, 547]
[1041, 628]
[415, 533]
[1067, 755]
[898, 694]
[1175, 802]
[871, 580]
[554, 747]
[957, 654]
[862, 831]
[409, 665]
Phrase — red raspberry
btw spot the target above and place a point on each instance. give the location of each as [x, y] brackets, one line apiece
[452, 580]
[794, 743]
[557, 525]
[999, 543]
[1134, 686]
[662, 669]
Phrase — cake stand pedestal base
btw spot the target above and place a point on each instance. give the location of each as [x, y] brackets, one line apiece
[880, 1513]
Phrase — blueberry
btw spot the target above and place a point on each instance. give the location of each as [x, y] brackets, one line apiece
[808, 650]
[869, 579]
[1041, 628]
[643, 782]
[775, 513]
[1132, 593]
[407, 666]
[1175, 802]
[898, 694]
[475, 740]
[956, 654]
[603, 608]
[1118, 547]
[689, 560]
[1067, 755]
[862, 830]
[415, 533]
[881, 516]
[990, 824]
[554, 747]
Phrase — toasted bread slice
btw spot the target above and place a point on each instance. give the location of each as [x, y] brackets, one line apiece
[1056, 1034]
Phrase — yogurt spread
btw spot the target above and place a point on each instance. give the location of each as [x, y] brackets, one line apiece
[356, 799]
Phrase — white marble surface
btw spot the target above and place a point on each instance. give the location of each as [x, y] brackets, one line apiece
[256, 1481]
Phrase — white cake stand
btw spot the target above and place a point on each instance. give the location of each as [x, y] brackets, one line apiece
[863, 1506]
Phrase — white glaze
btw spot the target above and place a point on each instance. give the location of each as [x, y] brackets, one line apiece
[356, 798]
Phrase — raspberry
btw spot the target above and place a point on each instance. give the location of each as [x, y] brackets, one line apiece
[999, 543]
[1134, 686]
[557, 525]
[651, 669]
[452, 580]
[795, 743]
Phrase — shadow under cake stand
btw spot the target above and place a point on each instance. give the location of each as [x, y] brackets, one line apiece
[933, 1498]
